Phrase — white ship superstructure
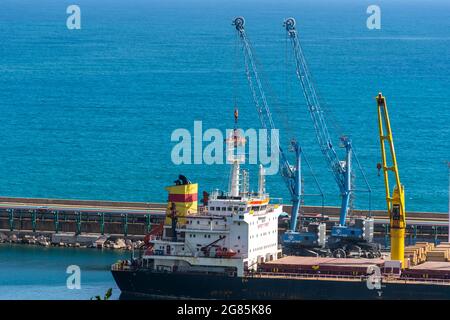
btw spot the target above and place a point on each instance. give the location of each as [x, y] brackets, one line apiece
[233, 232]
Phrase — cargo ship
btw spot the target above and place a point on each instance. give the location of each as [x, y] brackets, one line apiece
[228, 248]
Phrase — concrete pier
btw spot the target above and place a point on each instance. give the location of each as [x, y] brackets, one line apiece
[79, 216]
[135, 219]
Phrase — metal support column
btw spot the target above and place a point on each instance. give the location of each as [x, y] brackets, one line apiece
[435, 232]
[56, 220]
[11, 219]
[386, 235]
[125, 224]
[147, 223]
[33, 220]
[102, 223]
[78, 221]
[410, 237]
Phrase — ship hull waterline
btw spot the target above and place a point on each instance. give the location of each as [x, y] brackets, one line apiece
[144, 283]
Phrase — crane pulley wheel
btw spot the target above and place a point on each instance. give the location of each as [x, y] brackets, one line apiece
[239, 23]
[289, 24]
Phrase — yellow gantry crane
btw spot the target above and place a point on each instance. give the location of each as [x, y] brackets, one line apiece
[396, 201]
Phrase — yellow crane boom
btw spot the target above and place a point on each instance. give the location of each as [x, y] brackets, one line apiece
[396, 201]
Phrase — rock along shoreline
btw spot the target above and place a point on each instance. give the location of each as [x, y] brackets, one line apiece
[71, 240]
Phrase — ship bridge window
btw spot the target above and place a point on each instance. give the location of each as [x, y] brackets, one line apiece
[217, 208]
[241, 209]
[224, 208]
[230, 209]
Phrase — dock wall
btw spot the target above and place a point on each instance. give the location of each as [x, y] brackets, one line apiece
[137, 218]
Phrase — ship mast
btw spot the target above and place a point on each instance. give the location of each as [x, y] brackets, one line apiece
[261, 182]
[234, 143]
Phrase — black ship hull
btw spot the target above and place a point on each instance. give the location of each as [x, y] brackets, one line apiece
[199, 286]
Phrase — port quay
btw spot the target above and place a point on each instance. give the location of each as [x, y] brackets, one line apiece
[87, 220]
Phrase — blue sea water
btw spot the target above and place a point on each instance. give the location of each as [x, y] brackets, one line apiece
[31, 272]
[88, 114]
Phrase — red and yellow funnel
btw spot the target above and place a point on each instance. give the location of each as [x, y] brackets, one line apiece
[185, 198]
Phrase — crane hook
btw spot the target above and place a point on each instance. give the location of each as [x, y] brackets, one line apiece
[379, 168]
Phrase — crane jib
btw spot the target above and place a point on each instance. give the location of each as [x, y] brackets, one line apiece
[261, 103]
[341, 170]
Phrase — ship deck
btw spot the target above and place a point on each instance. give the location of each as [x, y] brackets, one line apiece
[433, 265]
[329, 277]
[356, 270]
[319, 261]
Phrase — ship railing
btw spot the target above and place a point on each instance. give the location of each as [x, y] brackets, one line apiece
[155, 238]
[347, 277]
[304, 275]
[120, 266]
[420, 280]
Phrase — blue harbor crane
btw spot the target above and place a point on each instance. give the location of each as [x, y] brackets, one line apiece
[314, 236]
[345, 239]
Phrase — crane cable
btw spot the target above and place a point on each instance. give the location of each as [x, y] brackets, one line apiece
[272, 97]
